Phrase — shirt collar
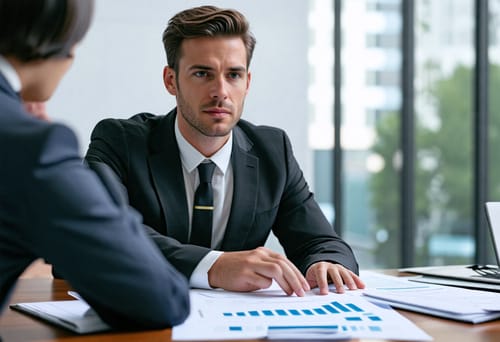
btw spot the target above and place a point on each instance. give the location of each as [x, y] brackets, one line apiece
[191, 157]
[10, 74]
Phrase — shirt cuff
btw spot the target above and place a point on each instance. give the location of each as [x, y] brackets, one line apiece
[199, 278]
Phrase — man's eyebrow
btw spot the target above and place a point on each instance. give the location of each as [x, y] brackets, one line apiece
[205, 67]
[240, 69]
[199, 67]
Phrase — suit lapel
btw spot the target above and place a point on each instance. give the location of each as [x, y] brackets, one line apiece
[246, 183]
[166, 172]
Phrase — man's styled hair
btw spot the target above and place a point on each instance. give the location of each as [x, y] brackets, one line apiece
[41, 29]
[205, 21]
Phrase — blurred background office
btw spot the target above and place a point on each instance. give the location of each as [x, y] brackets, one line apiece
[391, 107]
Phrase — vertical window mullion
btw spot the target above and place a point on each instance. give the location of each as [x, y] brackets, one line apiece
[481, 89]
[407, 136]
[337, 148]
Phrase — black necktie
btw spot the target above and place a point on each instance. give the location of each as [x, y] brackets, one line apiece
[201, 226]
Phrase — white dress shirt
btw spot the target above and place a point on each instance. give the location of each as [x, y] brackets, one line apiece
[10, 74]
[222, 184]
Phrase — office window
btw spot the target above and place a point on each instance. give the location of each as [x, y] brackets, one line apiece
[374, 40]
[443, 133]
[444, 151]
[375, 115]
[369, 205]
[383, 5]
[370, 80]
[383, 78]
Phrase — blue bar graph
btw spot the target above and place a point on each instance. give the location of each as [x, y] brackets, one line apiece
[310, 328]
[322, 328]
[281, 312]
[332, 308]
[267, 313]
[354, 307]
[319, 311]
[355, 319]
[287, 327]
[340, 307]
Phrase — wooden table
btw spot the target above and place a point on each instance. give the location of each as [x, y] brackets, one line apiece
[15, 326]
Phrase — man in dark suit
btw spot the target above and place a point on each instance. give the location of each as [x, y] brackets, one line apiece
[54, 207]
[257, 184]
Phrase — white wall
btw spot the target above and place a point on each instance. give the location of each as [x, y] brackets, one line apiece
[118, 67]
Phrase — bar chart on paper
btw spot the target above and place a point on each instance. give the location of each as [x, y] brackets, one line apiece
[348, 316]
[237, 316]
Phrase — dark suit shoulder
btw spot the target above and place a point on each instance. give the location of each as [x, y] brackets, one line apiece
[249, 127]
[261, 134]
[265, 141]
[138, 123]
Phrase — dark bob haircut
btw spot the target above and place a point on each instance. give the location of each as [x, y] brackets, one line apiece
[41, 29]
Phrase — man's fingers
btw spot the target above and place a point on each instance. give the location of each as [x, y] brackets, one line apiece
[321, 273]
[337, 280]
[285, 276]
[320, 276]
[278, 267]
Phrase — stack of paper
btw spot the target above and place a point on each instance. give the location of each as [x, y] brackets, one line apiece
[443, 301]
[74, 315]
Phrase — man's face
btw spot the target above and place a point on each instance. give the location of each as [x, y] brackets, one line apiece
[210, 86]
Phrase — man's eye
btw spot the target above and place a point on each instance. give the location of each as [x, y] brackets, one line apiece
[234, 75]
[201, 74]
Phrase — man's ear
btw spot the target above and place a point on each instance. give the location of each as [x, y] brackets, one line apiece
[249, 79]
[169, 80]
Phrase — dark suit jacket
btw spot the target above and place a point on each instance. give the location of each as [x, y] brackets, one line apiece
[54, 207]
[270, 192]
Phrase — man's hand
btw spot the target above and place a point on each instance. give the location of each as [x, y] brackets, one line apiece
[318, 274]
[255, 269]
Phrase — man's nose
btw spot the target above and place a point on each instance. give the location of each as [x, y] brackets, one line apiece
[219, 88]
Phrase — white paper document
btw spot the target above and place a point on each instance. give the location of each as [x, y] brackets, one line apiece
[270, 313]
[444, 301]
[458, 283]
[74, 315]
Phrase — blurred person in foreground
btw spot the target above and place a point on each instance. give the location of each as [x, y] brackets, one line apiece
[54, 207]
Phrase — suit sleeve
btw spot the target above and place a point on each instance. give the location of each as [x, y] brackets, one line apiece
[301, 226]
[110, 146]
[97, 243]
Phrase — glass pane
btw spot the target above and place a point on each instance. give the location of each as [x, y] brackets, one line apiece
[494, 109]
[320, 98]
[371, 102]
[444, 60]
[370, 123]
